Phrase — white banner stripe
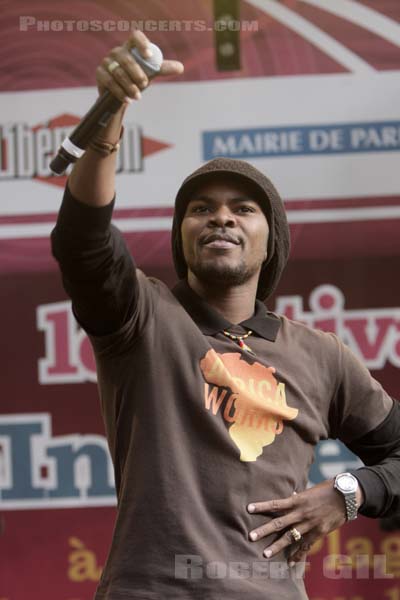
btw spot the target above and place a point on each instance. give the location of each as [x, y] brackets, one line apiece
[314, 34]
[144, 224]
[363, 16]
[57, 503]
[342, 215]
[148, 224]
[41, 230]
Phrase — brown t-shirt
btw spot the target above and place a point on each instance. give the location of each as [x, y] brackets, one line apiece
[198, 428]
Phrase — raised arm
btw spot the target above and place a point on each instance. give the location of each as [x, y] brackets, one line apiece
[97, 269]
[92, 180]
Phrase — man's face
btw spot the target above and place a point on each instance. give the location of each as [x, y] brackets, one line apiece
[224, 234]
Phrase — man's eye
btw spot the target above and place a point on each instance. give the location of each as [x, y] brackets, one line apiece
[200, 209]
[246, 209]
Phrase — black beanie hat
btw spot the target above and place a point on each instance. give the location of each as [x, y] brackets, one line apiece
[270, 202]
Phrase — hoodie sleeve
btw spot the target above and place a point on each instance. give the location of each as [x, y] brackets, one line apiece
[98, 272]
[380, 477]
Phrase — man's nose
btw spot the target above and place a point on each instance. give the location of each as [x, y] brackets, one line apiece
[222, 217]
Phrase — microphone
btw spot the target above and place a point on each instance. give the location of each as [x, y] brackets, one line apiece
[98, 117]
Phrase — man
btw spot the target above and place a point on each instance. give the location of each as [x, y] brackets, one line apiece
[213, 405]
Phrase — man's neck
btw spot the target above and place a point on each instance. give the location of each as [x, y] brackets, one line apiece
[236, 304]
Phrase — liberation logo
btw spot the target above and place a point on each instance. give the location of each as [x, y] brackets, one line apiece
[26, 152]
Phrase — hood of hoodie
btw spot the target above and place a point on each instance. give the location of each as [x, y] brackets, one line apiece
[269, 200]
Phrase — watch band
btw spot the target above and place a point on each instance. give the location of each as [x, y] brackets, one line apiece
[346, 484]
[351, 506]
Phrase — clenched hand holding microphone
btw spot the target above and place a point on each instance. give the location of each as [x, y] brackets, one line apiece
[122, 75]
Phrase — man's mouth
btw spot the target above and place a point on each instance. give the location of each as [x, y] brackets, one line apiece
[220, 244]
[215, 240]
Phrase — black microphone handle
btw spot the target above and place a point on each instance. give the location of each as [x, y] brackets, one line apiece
[95, 119]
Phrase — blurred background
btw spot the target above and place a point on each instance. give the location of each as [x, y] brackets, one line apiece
[308, 91]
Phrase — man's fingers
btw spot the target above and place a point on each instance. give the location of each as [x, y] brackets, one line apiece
[172, 67]
[273, 505]
[130, 85]
[300, 554]
[131, 68]
[119, 84]
[283, 542]
[140, 41]
[128, 78]
[278, 524]
[106, 82]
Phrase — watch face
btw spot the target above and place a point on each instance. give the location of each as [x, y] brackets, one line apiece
[347, 483]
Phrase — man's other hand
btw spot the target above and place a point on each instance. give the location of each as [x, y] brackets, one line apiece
[313, 513]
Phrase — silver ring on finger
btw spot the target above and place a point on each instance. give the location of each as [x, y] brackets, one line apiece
[296, 535]
[112, 66]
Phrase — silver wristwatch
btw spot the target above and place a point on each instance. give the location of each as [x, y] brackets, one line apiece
[347, 485]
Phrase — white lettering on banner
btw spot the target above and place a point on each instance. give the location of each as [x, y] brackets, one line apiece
[372, 334]
[277, 142]
[321, 140]
[41, 471]
[69, 357]
[370, 137]
[26, 152]
[302, 140]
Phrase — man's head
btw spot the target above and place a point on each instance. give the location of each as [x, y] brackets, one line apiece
[230, 226]
[224, 232]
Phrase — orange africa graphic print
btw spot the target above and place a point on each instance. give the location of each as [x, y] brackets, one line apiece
[255, 405]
